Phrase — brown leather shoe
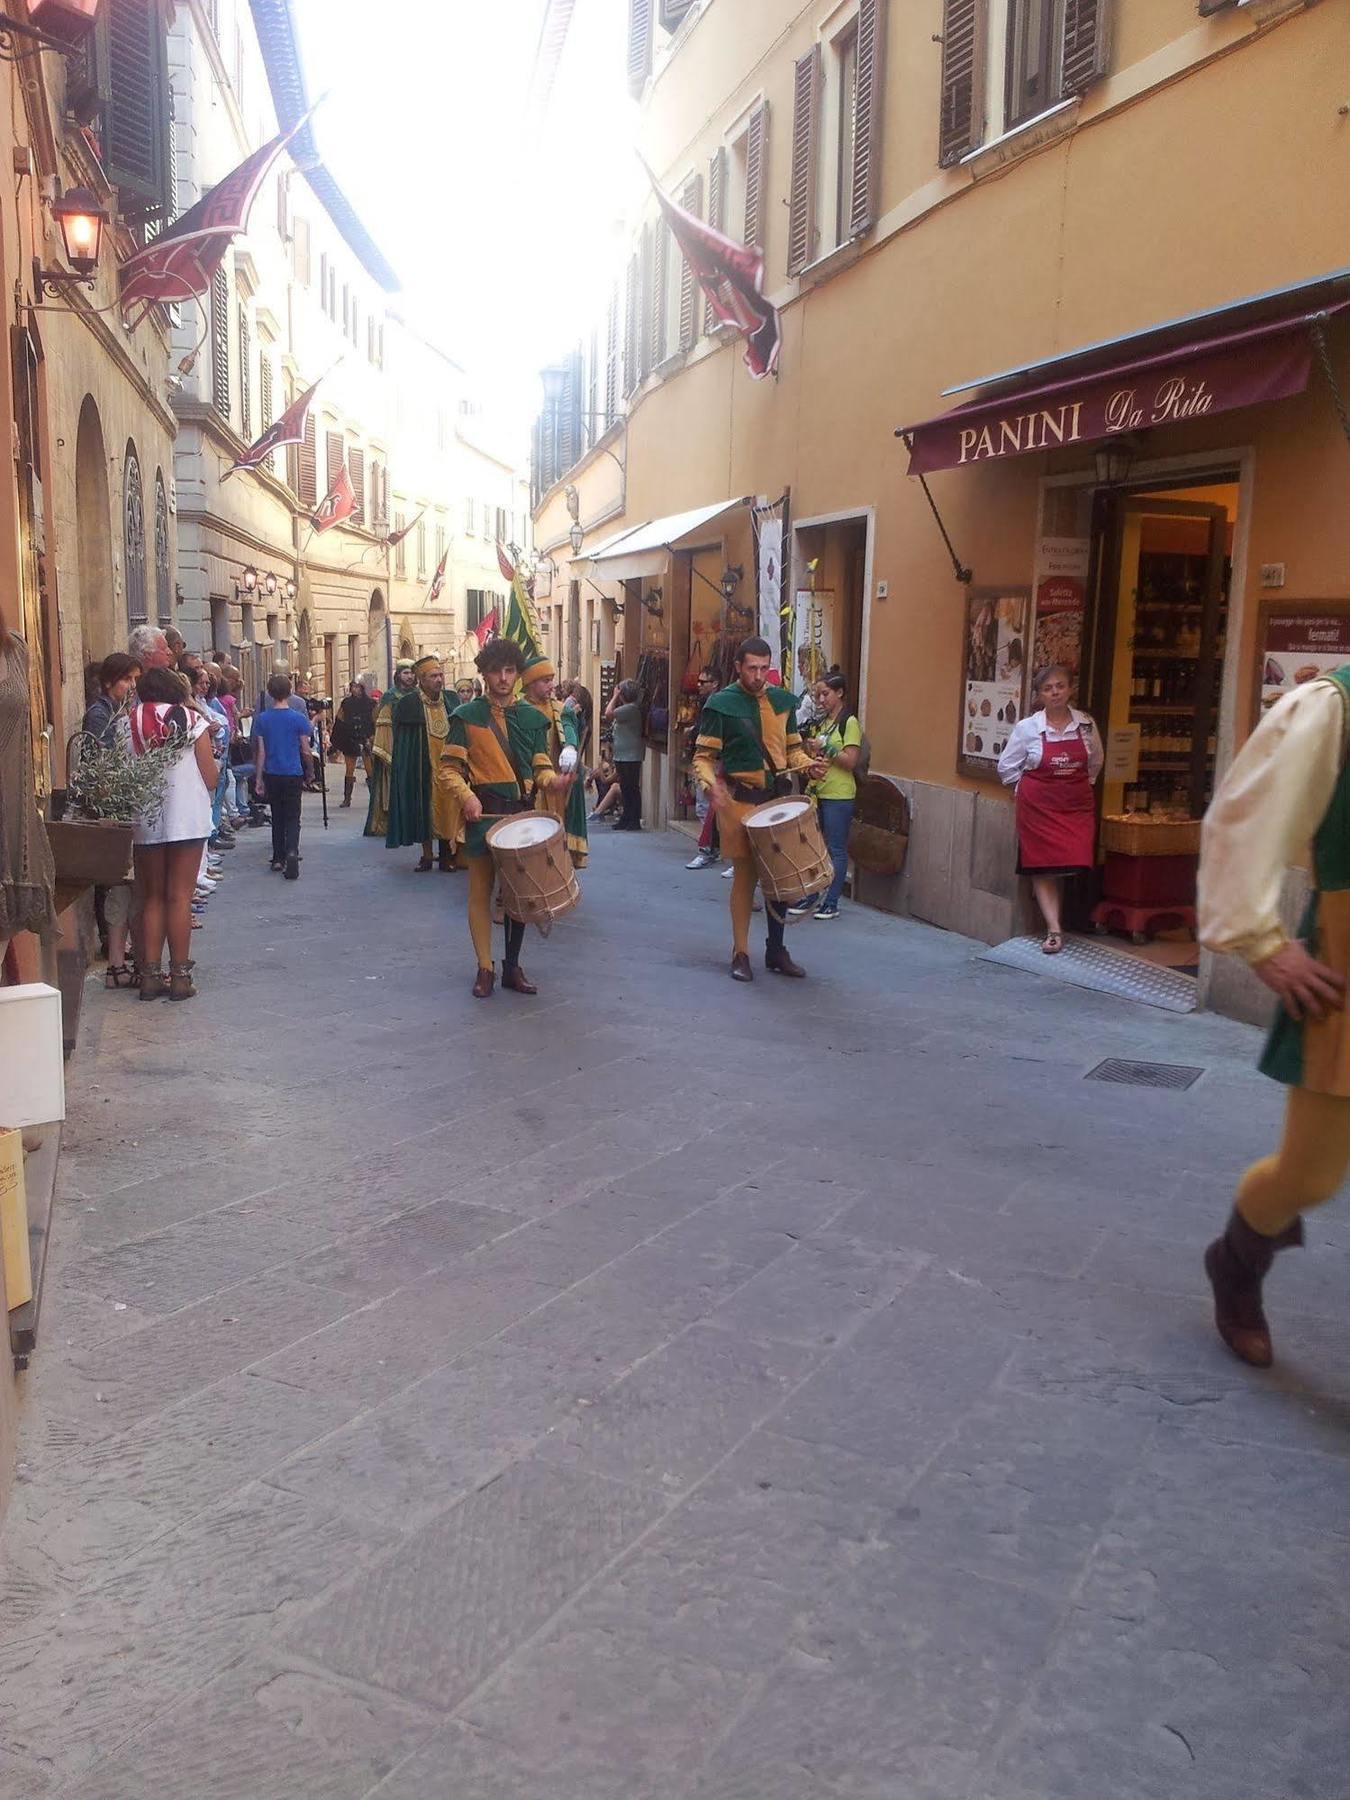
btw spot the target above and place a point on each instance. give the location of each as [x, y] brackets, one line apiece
[740, 967]
[782, 964]
[1237, 1264]
[484, 984]
[518, 981]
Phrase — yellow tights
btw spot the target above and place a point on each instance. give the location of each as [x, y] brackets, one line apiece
[1306, 1171]
[482, 880]
[742, 903]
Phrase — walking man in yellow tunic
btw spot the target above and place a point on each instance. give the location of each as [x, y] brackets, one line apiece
[422, 804]
[538, 679]
[1289, 786]
[747, 742]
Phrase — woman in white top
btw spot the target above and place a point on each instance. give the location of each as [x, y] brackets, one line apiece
[169, 842]
[1053, 758]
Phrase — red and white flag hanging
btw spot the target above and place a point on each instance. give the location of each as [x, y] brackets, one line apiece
[288, 429]
[397, 537]
[338, 503]
[437, 580]
[179, 263]
[486, 628]
[732, 277]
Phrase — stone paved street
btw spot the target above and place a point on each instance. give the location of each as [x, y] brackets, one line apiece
[661, 1389]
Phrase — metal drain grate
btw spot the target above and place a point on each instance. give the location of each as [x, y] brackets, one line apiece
[1177, 1076]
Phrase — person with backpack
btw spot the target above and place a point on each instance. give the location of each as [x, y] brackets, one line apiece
[838, 741]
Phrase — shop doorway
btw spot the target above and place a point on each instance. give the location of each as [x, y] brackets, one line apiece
[1153, 677]
[830, 585]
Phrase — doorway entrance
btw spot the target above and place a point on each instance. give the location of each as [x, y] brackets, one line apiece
[1153, 677]
[829, 570]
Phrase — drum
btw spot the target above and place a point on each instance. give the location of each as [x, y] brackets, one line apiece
[534, 868]
[789, 850]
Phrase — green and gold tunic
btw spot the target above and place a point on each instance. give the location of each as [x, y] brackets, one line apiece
[503, 778]
[749, 739]
[421, 804]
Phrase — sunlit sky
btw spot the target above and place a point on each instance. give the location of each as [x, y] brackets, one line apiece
[505, 226]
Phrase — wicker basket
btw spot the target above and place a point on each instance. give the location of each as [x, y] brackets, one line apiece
[1145, 837]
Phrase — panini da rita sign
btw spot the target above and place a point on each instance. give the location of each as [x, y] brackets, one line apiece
[1166, 390]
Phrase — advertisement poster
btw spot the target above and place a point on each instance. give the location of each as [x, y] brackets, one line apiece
[1061, 597]
[995, 676]
[1300, 646]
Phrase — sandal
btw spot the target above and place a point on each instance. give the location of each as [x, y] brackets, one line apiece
[1052, 943]
[424, 865]
[119, 975]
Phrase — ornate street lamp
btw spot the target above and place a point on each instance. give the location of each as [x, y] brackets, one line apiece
[81, 219]
[269, 584]
[576, 536]
[248, 580]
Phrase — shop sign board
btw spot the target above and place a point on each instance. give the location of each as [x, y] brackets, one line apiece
[1122, 754]
[1061, 601]
[993, 676]
[1299, 642]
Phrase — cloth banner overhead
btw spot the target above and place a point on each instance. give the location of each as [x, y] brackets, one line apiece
[288, 429]
[338, 503]
[731, 276]
[771, 579]
[179, 263]
[1194, 382]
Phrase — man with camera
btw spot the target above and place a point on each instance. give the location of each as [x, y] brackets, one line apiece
[750, 730]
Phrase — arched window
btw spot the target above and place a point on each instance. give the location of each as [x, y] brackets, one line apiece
[163, 585]
[133, 537]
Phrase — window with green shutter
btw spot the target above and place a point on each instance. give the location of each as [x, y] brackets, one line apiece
[220, 342]
[132, 83]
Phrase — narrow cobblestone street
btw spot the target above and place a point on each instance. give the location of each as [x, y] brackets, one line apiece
[662, 1389]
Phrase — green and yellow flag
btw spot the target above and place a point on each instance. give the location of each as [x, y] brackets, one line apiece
[521, 623]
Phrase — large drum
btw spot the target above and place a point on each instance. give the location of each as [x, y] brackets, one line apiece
[789, 851]
[534, 868]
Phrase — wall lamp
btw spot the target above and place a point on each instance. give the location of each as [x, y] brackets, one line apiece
[269, 584]
[576, 536]
[1116, 458]
[653, 602]
[248, 580]
[81, 219]
[291, 590]
[53, 25]
[731, 580]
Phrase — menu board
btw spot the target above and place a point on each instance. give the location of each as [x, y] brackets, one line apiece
[994, 676]
[1061, 590]
[1299, 646]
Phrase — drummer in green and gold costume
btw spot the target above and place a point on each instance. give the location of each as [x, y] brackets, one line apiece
[537, 679]
[747, 741]
[382, 749]
[496, 753]
[1288, 787]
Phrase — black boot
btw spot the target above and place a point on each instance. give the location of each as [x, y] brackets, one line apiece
[349, 782]
[1237, 1263]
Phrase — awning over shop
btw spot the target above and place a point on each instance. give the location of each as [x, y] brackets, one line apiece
[1161, 383]
[641, 550]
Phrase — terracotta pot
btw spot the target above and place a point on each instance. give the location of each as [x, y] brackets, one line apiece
[90, 852]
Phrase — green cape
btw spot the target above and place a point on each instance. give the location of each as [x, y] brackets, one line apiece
[410, 777]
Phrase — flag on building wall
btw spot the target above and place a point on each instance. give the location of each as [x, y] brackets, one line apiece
[437, 580]
[338, 503]
[486, 629]
[397, 537]
[179, 263]
[288, 429]
[732, 278]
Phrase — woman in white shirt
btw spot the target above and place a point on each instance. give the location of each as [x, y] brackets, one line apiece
[1053, 758]
[169, 841]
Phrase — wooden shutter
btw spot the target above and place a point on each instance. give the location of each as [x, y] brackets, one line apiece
[220, 342]
[611, 401]
[135, 91]
[307, 465]
[673, 13]
[717, 208]
[265, 389]
[356, 468]
[1086, 46]
[631, 291]
[639, 45]
[657, 291]
[865, 176]
[756, 175]
[401, 547]
[334, 458]
[802, 183]
[965, 35]
[245, 375]
[644, 323]
[691, 199]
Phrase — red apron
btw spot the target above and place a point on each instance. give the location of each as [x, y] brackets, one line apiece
[1056, 813]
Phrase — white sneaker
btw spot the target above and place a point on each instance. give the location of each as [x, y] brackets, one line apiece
[702, 860]
[729, 872]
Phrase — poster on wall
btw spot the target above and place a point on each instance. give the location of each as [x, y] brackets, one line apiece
[994, 676]
[1299, 646]
[1061, 600]
[812, 639]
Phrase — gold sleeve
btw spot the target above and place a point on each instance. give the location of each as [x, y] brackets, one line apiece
[1263, 819]
[798, 757]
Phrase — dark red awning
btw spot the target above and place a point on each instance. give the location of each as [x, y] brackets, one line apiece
[1189, 381]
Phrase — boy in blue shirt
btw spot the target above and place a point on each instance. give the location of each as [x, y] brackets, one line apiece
[284, 763]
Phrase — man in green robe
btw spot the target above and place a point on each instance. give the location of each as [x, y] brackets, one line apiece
[382, 749]
[538, 679]
[421, 804]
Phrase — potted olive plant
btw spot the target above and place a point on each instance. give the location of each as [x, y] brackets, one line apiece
[111, 790]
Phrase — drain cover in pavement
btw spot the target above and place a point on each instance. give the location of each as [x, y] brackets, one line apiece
[1145, 1074]
[1088, 965]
